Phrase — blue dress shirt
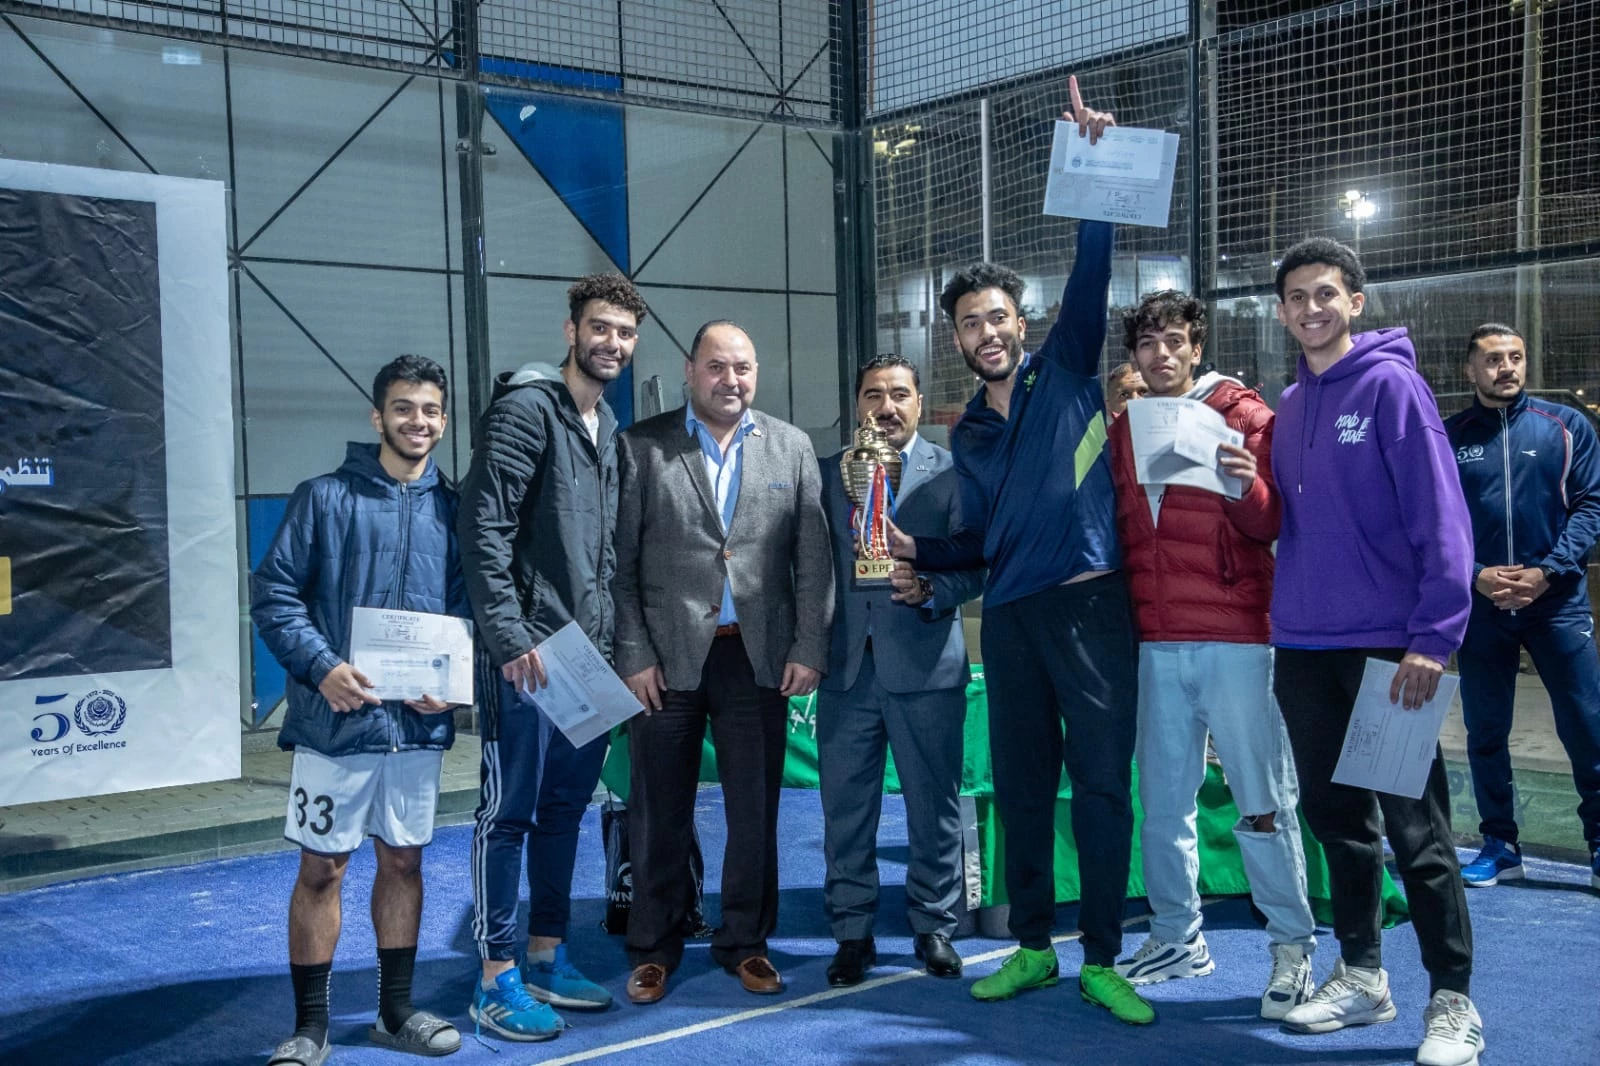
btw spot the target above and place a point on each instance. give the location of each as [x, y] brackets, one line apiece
[723, 470]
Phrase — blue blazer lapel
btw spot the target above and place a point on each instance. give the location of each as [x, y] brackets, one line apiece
[918, 470]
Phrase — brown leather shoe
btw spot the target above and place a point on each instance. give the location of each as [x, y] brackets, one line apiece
[647, 983]
[758, 976]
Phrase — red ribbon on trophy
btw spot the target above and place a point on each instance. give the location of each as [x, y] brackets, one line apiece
[871, 472]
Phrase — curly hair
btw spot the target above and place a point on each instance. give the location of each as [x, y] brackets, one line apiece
[980, 276]
[1322, 251]
[1159, 310]
[612, 288]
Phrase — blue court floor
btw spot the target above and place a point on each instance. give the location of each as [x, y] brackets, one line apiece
[188, 965]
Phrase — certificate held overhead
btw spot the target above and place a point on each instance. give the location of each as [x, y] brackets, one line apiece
[1125, 176]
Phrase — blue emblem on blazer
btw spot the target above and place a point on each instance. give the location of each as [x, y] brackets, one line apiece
[780, 485]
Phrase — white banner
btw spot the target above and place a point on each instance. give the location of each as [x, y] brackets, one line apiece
[119, 621]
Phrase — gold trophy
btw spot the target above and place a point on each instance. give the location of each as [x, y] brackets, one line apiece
[871, 471]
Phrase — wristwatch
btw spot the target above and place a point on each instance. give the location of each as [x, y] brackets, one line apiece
[925, 588]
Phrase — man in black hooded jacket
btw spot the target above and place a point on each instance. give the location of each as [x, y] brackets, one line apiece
[538, 511]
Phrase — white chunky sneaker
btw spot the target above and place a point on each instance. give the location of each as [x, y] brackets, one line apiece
[1454, 1032]
[1164, 960]
[1342, 1000]
[1290, 984]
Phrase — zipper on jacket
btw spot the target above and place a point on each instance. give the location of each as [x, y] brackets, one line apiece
[600, 541]
[400, 602]
[1505, 458]
[1161, 562]
[1505, 455]
[605, 520]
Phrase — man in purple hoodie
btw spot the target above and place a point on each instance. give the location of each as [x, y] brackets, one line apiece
[1374, 561]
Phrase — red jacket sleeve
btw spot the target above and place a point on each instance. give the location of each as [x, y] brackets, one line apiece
[1258, 513]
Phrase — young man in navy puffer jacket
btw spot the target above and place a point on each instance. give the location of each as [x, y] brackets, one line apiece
[378, 532]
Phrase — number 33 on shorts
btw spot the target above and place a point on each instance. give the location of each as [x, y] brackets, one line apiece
[324, 819]
[336, 802]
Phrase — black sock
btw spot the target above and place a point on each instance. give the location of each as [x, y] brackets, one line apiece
[395, 966]
[311, 1000]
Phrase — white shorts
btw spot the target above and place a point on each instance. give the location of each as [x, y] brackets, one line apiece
[337, 802]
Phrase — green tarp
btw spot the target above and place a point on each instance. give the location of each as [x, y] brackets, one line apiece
[1221, 872]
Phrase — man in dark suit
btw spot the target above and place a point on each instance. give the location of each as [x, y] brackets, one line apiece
[897, 677]
[724, 593]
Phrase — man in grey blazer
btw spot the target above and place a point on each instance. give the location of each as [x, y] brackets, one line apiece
[724, 592]
[897, 678]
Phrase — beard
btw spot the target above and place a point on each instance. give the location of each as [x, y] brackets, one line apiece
[403, 446]
[584, 360]
[1008, 366]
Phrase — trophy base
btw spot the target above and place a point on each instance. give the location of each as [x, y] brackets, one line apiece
[872, 573]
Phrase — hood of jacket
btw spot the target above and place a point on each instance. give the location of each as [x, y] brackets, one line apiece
[1367, 351]
[546, 378]
[1208, 383]
[361, 464]
[530, 371]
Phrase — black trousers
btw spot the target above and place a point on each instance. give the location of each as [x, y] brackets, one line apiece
[1066, 655]
[1317, 692]
[749, 730]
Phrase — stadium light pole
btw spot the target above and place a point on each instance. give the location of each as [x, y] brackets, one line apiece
[1357, 206]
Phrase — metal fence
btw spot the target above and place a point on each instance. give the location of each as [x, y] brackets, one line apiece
[1450, 143]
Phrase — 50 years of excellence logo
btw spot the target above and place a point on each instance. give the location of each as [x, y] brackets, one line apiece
[100, 713]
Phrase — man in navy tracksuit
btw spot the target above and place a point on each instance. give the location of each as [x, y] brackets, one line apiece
[1531, 474]
[1058, 644]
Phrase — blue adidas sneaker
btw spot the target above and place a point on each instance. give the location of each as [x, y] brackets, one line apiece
[561, 984]
[508, 1010]
[1498, 861]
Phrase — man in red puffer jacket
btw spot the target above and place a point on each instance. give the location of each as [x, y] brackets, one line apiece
[1199, 569]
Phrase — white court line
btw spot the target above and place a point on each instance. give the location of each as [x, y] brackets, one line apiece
[792, 1004]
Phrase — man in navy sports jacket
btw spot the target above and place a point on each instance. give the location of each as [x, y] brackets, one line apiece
[1531, 473]
[1039, 509]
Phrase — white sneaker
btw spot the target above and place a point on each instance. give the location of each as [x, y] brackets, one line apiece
[1342, 1000]
[1290, 984]
[1454, 1031]
[1165, 960]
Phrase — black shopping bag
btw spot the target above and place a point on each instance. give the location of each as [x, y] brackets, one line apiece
[619, 871]
[619, 875]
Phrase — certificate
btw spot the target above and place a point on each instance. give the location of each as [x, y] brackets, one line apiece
[1124, 177]
[584, 697]
[1199, 432]
[1175, 443]
[1386, 747]
[408, 654]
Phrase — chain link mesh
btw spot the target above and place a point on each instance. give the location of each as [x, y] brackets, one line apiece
[774, 59]
[1448, 142]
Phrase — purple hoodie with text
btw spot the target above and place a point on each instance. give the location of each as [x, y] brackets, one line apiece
[1376, 545]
